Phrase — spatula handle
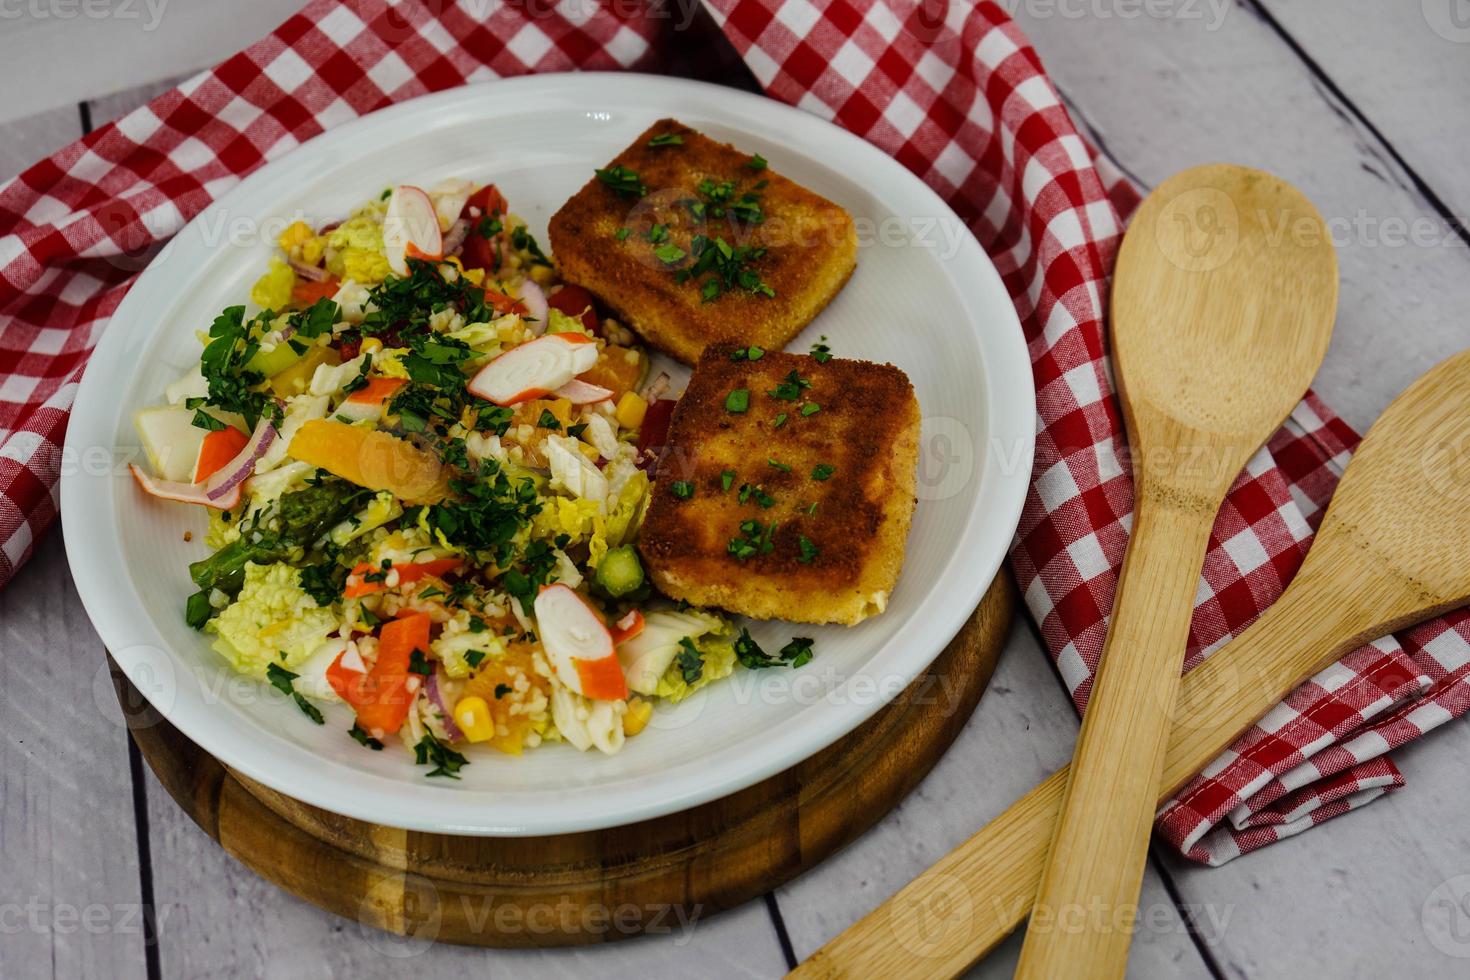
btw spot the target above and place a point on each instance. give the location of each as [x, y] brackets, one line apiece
[1084, 912]
[962, 907]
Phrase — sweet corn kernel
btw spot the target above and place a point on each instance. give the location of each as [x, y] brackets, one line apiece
[312, 250]
[472, 715]
[636, 717]
[542, 274]
[476, 276]
[631, 408]
[590, 451]
[297, 233]
[371, 345]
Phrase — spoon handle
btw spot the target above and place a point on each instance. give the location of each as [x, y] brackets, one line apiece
[1095, 868]
[962, 907]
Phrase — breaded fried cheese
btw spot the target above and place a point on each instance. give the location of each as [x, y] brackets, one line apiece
[787, 487]
[691, 242]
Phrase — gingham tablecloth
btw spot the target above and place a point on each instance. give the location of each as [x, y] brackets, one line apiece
[953, 92]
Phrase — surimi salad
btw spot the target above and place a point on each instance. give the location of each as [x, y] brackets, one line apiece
[425, 463]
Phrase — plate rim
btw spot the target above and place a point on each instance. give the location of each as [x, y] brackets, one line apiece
[380, 799]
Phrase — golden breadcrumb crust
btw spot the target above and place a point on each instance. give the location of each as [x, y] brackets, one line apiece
[811, 246]
[866, 429]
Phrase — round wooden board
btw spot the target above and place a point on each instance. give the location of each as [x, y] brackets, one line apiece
[657, 876]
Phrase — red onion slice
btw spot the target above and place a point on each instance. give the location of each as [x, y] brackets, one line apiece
[185, 493]
[234, 473]
[437, 698]
[655, 389]
[311, 272]
[537, 308]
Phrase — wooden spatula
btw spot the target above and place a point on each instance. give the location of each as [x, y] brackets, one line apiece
[1223, 303]
[1390, 553]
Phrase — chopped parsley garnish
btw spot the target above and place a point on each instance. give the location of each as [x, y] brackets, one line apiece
[657, 234]
[778, 465]
[810, 408]
[474, 657]
[790, 389]
[757, 162]
[281, 679]
[624, 182]
[779, 421]
[622, 234]
[446, 761]
[477, 625]
[575, 431]
[689, 661]
[729, 268]
[666, 139]
[418, 663]
[223, 363]
[822, 471]
[203, 420]
[315, 320]
[501, 690]
[727, 479]
[488, 227]
[537, 568]
[809, 551]
[797, 653]
[323, 581]
[495, 419]
[364, 739]
[669, 253]
[682, 489]
[738, 400]
[547, 420]
[754, 539]
[751, 353]
[748, 490]
[821, 353]
[524, 241]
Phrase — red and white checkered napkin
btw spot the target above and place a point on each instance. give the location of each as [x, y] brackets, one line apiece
[951, 90]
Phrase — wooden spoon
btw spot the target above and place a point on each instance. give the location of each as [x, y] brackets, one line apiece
[1223, 303]
[1390, 553]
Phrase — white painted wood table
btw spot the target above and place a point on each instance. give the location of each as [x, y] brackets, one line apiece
[1361, 103]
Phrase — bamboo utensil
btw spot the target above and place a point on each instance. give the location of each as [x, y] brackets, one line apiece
[1222, 309]
[1389, 554]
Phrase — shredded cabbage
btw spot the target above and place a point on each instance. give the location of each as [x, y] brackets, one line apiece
[272, 621]
[272, 291]
[719, 663]
[355, 251]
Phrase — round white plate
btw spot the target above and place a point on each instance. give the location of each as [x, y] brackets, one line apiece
[924, 297]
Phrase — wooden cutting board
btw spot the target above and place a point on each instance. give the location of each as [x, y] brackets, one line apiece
[656, 876]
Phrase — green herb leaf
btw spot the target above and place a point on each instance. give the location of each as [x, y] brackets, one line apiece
[474, 657]
[666, 139]
[501, 690]
[810, 408]
[203, 420]
[727, 479]
[307, 708]
[622, 234]
[823, 471]
[669, 253]
[547, 420]
[363, 738]
[738, 400]
[624, 182]
[689, 661]
[418, 663]
[682, 489]
[798, 653]
[198, 610]
[778, 465]
[280, 678]
[757, 162]
[809, 551]
[446, 761]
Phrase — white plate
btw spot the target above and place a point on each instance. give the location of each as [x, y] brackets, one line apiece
[924, 297]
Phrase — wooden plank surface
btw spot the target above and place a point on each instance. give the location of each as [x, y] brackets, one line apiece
[1022, 731]
[71, 902]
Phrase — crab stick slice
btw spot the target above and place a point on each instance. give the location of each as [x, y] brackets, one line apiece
[217, 450]
[627, 627]
[578, 645]
[371, 400]
[535, 368]
[582, 393]
[410, 228]
[187, 493]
